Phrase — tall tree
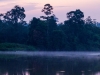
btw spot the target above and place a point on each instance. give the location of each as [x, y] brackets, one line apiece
[15, 15]
[37, 33]
[76, 17]
[50, 20]
[75, 26]
[13, 29]
[47, 9]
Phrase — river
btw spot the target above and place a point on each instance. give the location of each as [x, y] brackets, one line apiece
[49, 63]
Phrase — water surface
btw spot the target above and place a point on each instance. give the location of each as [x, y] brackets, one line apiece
[50, 63]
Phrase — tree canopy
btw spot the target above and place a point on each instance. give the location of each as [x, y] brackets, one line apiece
[75, 33]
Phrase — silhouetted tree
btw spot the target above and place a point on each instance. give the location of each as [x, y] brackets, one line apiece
[37, 33]
[74, 34]
[47, 9]
[15, 15]
[51, 22]
[57, 40]
[74, 27]
[12, 26]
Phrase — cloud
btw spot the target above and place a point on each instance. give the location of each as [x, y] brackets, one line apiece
[3, 0]
[6, 0]
[62, 6]
[30, 6]
[8, 6]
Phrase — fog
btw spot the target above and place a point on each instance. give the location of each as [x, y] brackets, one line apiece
[95, 55]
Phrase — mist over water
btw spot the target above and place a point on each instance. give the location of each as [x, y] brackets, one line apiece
[55, 54]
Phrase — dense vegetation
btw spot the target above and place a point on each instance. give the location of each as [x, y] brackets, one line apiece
[44, 33]
[15, 47]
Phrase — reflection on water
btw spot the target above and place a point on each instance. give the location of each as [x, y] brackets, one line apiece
[98, 73]
[42, 65]
[26, 73]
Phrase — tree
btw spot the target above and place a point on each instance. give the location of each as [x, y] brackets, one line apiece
[15, 15]
[37, 33]
[58, 40]
[47, 9]
[75, 21]
[76, 17]
[90, 21]
[74, 26]
[50, 20]
[13, 29]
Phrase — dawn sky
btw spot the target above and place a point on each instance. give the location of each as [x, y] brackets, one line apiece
[61, 7]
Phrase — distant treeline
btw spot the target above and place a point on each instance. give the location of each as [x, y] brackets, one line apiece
[44, 33]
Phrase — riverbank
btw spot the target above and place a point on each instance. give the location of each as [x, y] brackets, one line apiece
[15, 47]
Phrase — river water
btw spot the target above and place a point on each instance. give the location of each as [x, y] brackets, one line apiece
[49, 63]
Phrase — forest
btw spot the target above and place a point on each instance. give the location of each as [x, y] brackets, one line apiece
[46, 34]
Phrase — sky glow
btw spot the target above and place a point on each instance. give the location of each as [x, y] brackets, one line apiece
[61, 7]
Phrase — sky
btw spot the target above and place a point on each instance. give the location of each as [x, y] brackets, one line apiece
[61, 7]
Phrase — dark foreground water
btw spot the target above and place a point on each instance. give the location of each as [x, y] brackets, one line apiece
[50, 63]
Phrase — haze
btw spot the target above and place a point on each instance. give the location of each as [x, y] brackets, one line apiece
[61, 7]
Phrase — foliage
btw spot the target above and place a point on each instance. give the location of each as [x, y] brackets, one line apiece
[37, 33]
[15, 15]
[47, 9]
[15, 47]
[76, 33]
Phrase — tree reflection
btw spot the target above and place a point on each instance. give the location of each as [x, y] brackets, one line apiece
[56, 66]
